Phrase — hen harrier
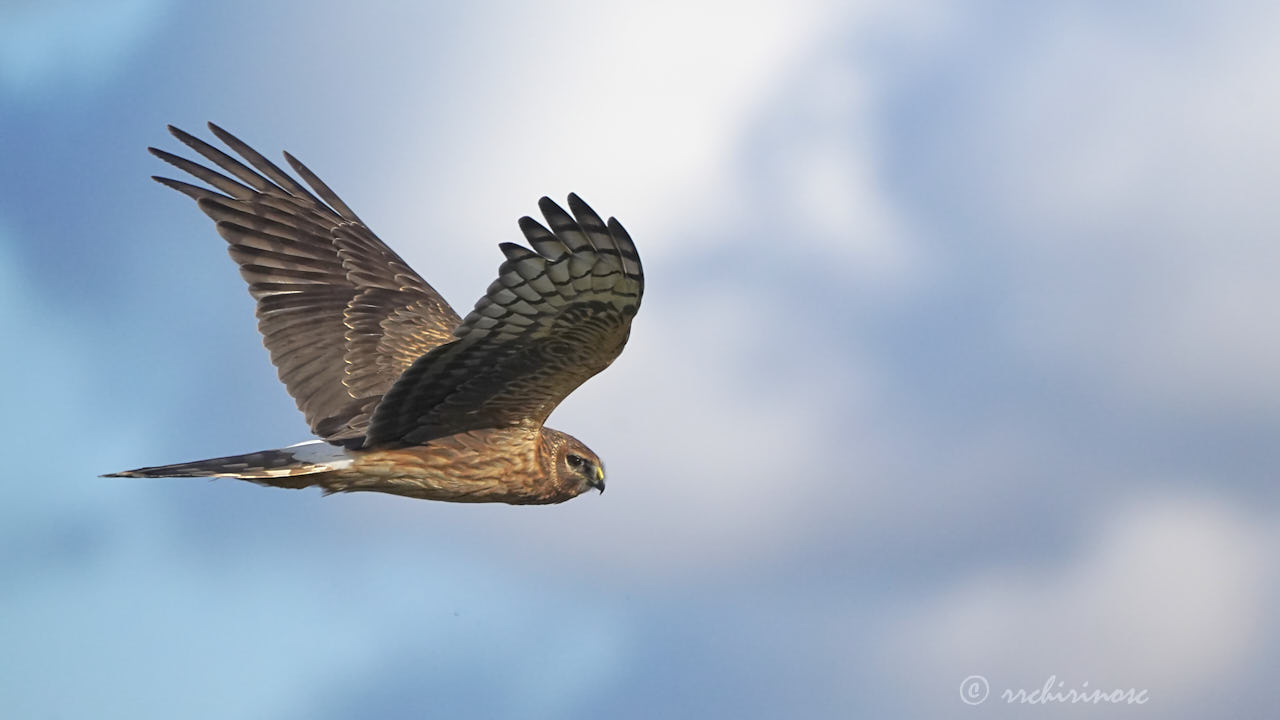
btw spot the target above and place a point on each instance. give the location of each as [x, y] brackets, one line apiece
[407, 397]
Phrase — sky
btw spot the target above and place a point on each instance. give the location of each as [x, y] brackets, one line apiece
[957, 373]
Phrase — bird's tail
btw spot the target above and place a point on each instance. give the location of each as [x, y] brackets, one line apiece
[285, 467]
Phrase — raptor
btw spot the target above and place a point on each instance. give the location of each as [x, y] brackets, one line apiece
[405, 396]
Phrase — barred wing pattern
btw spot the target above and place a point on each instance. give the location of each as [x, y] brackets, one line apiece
[340, 313]
[556, 315]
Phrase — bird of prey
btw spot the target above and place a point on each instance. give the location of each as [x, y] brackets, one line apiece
[407, 397]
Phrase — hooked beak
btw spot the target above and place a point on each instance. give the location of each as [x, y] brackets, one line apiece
[598, 482]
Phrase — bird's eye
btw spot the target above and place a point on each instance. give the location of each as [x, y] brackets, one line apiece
[575, 461]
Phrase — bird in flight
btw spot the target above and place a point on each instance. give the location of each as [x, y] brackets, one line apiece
[407, 397]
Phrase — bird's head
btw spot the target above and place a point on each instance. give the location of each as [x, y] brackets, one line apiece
[573, 463]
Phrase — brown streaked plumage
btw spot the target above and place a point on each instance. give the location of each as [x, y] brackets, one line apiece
[407, 397]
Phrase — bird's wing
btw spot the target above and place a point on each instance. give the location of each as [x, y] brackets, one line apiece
[340, 313]
[555, 316]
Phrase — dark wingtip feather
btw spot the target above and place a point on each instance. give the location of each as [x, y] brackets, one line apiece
[195, 192]
[579, 208]
[165, 155]
[513, 251]
[324, 191]
[186, 137]
[223, 135]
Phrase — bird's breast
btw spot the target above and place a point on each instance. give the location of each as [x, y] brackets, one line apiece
[477, 466]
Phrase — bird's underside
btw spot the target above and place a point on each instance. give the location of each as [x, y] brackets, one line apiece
[406, 396]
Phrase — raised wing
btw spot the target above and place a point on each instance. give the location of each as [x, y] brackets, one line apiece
[555, 316]
[340, 313]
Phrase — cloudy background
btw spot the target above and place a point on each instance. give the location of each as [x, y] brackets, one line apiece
[959, 357]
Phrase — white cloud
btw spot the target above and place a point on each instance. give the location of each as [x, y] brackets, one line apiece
[642, 103]
[651, 113]
[1171, 594]
[809, 181]
[1128, 161]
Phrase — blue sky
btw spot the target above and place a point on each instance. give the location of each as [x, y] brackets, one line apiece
[958, 357]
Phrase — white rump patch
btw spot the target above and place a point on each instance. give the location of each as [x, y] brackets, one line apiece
[319, 452]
